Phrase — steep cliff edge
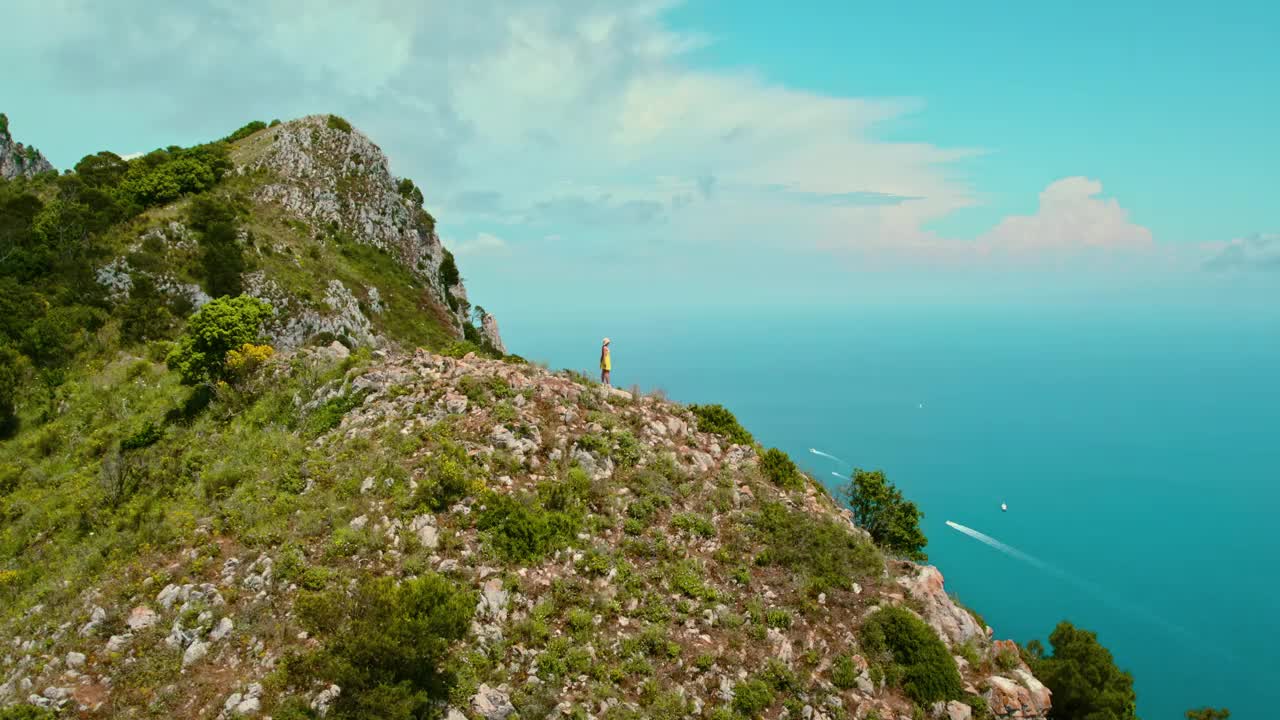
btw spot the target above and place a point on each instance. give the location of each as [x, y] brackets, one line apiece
[16, 159]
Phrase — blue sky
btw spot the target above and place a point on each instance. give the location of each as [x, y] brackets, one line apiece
[1170, 104]
[731, 152]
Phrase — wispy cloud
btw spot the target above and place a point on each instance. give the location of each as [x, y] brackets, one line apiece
[1259, 251]
[481, 244]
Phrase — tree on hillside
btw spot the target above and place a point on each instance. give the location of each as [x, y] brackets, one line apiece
[104, 169]
[1083, 677]
[1208, 714]
[222, 325]
[9, 376]
[221, 257]
[880, 509]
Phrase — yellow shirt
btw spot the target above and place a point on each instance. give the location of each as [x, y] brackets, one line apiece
[605, 359]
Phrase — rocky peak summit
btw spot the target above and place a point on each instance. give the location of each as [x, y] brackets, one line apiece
[336, 244]
[16, 159]
[323, 171]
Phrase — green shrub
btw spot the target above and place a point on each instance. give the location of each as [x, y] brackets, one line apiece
[54, 339]
[969, 651]
[10, 372]
[751, 697]
[653, 641]
[245, 131]
[780, 470]
[778, 676]
[594, 443]
[385, 644]
[686, 577]
[979, 705]
[474, 389]
[565, 494]
[694, 524]
[504, 413]
[144, 316]
[149, 434]
[221, 260]
[330, 413]
[217, 328]
[1083, 677]
[879, 508]
[520, 530]
[163, 176]
[1007, 659]
[718, 420]
[844, 673]
[448, 477]
[778, 618]
[449, 271]
[921, 661]
[410, 192]
[659, 704]
[337, 123]
[314, 578]
[626, 452]
[827, 553]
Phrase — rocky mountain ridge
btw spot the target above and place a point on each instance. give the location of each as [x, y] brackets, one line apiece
[16, 159]
[650, 606]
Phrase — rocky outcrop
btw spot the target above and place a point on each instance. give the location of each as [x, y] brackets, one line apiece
[1016, 693]
[1025, 697]
[956, 625]
[338, 314]
[16, 159]
[332, 176]
[489, 332]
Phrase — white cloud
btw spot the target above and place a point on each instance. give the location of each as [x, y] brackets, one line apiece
[481, 244]
[1258, 251]
[1070, 216]
[582, 120]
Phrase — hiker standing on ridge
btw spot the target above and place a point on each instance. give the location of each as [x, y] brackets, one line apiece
[606, 363]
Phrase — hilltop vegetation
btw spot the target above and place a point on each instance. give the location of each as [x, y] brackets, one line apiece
[117, 254]
[428, 534]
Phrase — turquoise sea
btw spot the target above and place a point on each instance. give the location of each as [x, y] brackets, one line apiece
[1138, 451]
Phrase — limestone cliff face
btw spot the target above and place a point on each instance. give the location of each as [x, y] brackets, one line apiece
[315, 187]
[16, 159]
[324, 172]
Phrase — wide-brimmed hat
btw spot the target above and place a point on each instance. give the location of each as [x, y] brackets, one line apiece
[606, 341]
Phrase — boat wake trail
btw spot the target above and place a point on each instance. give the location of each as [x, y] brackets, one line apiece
[816, 451]
[1102, 594]
[1006, 549]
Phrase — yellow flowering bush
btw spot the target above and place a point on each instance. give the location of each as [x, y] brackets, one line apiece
[247, 358]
